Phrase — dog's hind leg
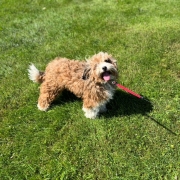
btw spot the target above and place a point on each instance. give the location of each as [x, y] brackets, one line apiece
[48, 94]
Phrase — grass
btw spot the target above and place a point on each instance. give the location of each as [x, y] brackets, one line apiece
[134, 139]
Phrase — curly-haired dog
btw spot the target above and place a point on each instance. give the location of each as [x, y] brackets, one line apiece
[90, 80]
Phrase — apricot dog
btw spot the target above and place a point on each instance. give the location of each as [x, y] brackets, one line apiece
[90, 80]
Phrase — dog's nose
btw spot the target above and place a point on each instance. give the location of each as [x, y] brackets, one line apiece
[104, 68]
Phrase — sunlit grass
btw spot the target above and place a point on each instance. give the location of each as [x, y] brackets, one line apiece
[124, 143]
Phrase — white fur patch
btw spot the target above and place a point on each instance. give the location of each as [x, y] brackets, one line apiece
[41, 109]
[94, 112]
[33, 73]
[105, 64]
[91, 113]
[110, 91]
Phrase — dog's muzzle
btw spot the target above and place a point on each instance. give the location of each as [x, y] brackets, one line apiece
[108, 73]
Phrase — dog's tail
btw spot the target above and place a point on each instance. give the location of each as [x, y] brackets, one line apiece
[35, 75]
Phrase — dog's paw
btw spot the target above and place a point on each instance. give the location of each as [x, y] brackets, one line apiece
[42, 108]
[91, 113]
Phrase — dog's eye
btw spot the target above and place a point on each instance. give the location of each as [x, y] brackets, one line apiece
[108, 60]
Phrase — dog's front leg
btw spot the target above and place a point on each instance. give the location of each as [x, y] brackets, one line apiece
[91, 113]
[91, 108]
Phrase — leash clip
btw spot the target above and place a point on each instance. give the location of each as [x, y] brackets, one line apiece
[114, 82]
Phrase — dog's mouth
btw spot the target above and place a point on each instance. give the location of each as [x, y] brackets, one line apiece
[106, 75]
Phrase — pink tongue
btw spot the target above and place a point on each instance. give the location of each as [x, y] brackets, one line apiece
[106, 76]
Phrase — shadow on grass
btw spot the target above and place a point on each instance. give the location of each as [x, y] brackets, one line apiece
[125, 104]
[65, 97]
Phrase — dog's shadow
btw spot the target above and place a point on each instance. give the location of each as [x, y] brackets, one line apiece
[65, 97]
[123, 104]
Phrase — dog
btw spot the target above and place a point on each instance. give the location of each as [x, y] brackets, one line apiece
[92, 80]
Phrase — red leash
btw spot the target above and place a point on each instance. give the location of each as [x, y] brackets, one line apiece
[127, 90]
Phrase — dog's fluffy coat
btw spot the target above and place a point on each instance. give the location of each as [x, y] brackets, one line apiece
[90, 80]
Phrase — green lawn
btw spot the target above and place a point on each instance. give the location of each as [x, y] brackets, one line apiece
[134, 140]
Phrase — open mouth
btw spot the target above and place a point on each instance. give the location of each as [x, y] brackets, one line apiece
[106, 75]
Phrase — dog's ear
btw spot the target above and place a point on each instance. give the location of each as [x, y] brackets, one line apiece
[86, 73]
[115, 63]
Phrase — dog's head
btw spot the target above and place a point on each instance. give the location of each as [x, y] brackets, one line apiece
[101, 68]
